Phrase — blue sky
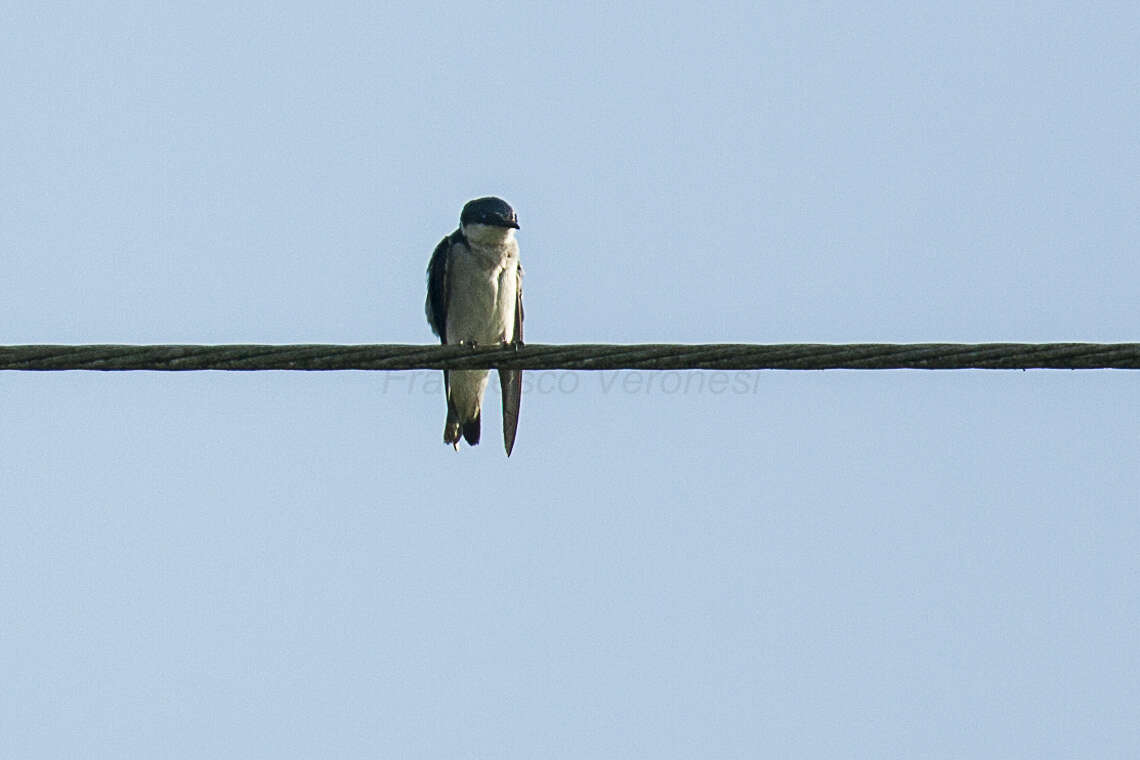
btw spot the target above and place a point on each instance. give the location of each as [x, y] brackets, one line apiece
[872, 564]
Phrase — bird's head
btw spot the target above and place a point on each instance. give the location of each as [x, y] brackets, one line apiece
[488, 217]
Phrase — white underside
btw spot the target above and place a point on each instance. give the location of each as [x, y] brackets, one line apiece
[483, 289]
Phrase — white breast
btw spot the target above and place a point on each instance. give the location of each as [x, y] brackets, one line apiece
[482, 288]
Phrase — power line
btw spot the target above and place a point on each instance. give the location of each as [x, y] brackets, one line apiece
[724, 356]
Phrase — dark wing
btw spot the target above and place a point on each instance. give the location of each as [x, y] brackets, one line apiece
[519, 309]
[436, 305]
[510, 380]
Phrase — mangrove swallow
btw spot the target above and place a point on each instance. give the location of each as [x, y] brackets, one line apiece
[475, 299]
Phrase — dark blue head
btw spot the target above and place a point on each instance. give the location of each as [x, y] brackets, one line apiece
[492, 211]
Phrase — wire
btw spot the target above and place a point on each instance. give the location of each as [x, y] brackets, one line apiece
[739, 356]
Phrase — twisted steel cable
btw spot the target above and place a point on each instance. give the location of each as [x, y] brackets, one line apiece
[723, 356]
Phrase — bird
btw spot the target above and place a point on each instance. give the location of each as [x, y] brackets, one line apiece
[474, 298]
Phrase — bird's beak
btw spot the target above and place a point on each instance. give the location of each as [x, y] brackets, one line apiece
[514, 224]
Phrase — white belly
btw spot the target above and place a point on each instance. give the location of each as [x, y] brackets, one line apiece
[481, 307]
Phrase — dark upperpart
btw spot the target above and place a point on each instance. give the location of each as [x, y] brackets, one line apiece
[492, 211]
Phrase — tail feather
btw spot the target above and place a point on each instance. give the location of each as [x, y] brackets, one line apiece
[471, 429]
[456, 426]
[451, 427]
